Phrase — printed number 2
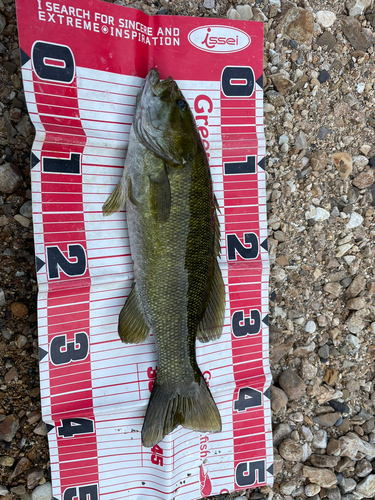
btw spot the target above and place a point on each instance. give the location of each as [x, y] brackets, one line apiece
[157, 455]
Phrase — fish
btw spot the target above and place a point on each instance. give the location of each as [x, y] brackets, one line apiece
[178, 291]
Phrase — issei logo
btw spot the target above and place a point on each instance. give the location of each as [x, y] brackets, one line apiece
[219, 39]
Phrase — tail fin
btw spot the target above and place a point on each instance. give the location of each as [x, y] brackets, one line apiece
[191, 406]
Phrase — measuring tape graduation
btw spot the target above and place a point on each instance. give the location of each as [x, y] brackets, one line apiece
[83, 66]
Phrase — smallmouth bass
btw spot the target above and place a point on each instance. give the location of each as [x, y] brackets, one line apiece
[178, 290]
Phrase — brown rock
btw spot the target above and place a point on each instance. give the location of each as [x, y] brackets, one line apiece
[41, 429]
[34, 475]
[344, 164]
[8, 428]
[19, 309]
[364, 180]
[318, 161]
[6, 461]
[279, 351]
[21, 466]
[279, 399]
[331, 375]
[333, 446]
[324, 477]
[326, 40]
[356, 286]
[334, 289]
[34, 417]
[298, 23]
[328, 419]
[292, 384]
[291, 450]
[282, 83]
[356, 304]
[12, 374]
[352, 29]
[323, 461]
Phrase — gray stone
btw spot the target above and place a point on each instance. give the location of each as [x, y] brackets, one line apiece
[347, 484]
[301, 141]
[10, 178]
[325, 18]
[27, 209]
[355, 323]
[363, 468]
[275, 98]
[367, 487]
[353, 341]
[333, 494]
[245, 12]
[209, 4]
[320, 439]
[310, 327]
[2, 23]
[2, 298]
[3, 490]
[354, 221]
[327, 419]
[42, 492]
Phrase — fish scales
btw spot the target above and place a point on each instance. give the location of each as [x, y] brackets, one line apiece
[178, 290]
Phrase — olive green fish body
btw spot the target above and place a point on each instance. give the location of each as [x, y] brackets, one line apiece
[178, 290]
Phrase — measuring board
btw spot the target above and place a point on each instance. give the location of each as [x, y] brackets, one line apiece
[83, 66]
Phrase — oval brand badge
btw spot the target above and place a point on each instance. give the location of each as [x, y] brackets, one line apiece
[219, 39]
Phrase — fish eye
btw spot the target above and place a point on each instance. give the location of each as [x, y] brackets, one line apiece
[181, 104]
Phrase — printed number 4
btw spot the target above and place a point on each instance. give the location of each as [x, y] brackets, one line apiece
[73, 426]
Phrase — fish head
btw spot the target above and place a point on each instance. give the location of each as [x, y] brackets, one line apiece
[163, 121]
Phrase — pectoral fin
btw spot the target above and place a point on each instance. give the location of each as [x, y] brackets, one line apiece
[160, 193]
[117, 199]
[132, 325]
[211, 324]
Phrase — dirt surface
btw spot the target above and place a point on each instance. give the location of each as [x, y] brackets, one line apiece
[319, 122]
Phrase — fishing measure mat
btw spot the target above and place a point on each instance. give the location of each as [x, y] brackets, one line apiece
[83, 63]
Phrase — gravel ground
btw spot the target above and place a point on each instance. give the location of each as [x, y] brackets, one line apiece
[319, 117]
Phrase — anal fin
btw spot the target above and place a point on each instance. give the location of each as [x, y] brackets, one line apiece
[211, 324]
[132, 325]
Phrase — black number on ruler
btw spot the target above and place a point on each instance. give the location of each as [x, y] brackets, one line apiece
[237, 81]
[242, 326]
[57, 260]
[235, 246]
[61, 166]
[53, 62]
[248, 398]
[72, 426]
[247, 473]
[244, 167]
[84, 492]
[63, 352]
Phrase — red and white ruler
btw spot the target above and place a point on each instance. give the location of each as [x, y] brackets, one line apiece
[82, 67]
